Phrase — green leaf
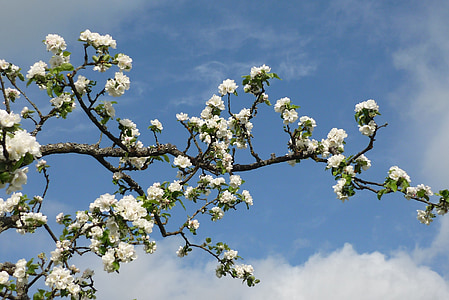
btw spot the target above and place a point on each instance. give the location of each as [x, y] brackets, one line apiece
[66, 67]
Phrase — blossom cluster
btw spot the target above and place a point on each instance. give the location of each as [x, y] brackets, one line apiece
[128, 135]
[118, 85]
[61, 279]
[57, 45]
[397, 174]
[107, 224]
[100, 42]
[287, 110]
[20, 271]
[227, 87]
[11, 70]
[364, 113]
[19, 145]
[29, 221]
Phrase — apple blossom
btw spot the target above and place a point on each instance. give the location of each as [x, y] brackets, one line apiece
[156, 123]
[182, 162]
[227, 87]
[38, 69]
[55, 43]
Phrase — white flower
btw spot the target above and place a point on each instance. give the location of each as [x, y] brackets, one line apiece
[12, 93]
[307, 122]
[4, 277]
[259, 70]
[130, 209]
[182, 162]
[156, 123]
[182, 251]
[145, 225]
[103, 203]
[368, 104]
[24, 111]
[182, 117]
[38, 69]
[175, 186]
[335, 160]
[289, 116]
[8, 119]
[217, 213]
[243, 270]
[109, 109]
[117, 86]
[364, 162]
[124, 62]
[279, 107]
[230, 254]
[338, 189]
[4, 65]
[235, 181]
[58, 60]
[216, 182]
[59, 218]
[424, 217]
[19, 179]
[193, 224]
[55, 43]
[228, 86]
[81, 84]
[97, 40]
[335, 138]
[108, 259]
[125, 252]
[369, 129]
[60, 100]
[216, 101]
[20, 271]
[395, 173]
[227, 197]
[247, 197]
[155, 192]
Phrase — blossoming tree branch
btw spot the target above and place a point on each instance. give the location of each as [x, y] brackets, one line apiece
[207, 177]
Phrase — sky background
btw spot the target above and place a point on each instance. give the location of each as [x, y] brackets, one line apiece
[303, 242]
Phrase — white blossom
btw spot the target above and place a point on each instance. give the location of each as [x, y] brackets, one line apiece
[156, 123]
[228, 86]
[247, 197]
[55, 43]
[182, 117]
[216, 101]
[193, 224]
[38, 69]
[4, 277]
[103, 203]
[368, 104]
[335, 160]
[255, 71]
[116, 87]
[289, 116]
[81, 84]
[424, 217]
[395, 173]
[182, 161]
[280, 105]
[230, 254]
[124, 62]
[217, 213]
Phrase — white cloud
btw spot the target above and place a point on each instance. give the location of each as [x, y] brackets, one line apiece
[342, 274]
[423, 55]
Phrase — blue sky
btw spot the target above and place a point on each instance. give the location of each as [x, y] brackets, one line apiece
[303, 242]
